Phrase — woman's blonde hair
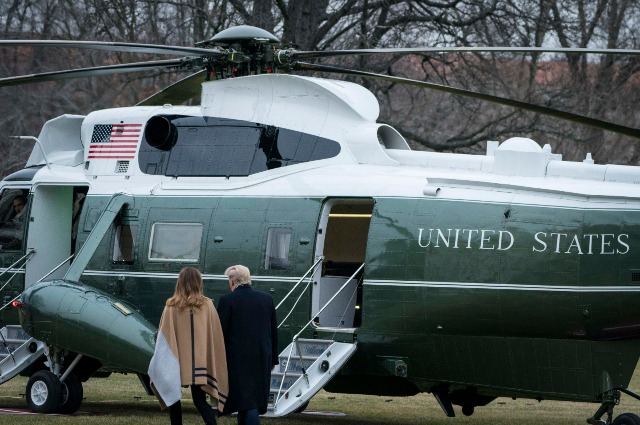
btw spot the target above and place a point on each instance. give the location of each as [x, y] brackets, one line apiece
[188, 293]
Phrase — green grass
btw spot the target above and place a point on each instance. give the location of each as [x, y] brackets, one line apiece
[120, 399]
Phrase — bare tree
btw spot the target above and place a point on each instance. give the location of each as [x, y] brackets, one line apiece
[602, 87]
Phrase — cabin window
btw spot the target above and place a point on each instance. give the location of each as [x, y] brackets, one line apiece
[277, 252]
[175, 241]
[216, 147]
[125, 243]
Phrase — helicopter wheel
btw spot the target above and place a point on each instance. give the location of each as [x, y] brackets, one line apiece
[72, 394]
[43, 392]
[627, 419]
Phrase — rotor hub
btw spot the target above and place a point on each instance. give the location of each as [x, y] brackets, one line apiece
[249, 51]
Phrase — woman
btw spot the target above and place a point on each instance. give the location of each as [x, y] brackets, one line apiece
[189, 350]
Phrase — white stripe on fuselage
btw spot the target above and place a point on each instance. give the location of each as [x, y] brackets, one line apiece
[152, 275]
[392, 283]
[500, 286]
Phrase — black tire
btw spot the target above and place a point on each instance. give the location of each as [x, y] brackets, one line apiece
[72, 394]
[43, 392]
[627, 419]
[468, 410]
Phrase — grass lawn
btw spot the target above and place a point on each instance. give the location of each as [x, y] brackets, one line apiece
[120, 399]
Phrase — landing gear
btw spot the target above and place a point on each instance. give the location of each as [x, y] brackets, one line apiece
[72, 394]
[468, 409]
[609, 400]
[627, 419]
[52, 391]
[44, 392]
[468, 398]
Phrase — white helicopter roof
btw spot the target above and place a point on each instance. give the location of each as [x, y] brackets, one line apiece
[336, 111]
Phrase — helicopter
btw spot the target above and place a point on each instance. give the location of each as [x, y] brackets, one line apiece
[395, 272]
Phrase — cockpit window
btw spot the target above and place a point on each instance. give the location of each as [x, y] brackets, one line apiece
[225, 148]
[13, 213]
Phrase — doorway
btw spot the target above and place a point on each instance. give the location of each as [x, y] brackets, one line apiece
[342, 241]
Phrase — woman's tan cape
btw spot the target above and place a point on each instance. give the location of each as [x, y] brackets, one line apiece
[189, 351]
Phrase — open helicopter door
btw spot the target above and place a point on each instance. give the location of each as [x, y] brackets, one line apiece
[14, 207]
[342, 241]
[53, 220]
[306, 365]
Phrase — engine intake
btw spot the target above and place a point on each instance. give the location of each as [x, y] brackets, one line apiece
[161, 133]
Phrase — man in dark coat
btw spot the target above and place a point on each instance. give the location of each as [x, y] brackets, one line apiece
[248, 320]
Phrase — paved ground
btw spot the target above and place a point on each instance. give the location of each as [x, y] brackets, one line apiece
[26, 411]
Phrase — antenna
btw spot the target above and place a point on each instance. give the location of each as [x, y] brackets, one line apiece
[35, 139]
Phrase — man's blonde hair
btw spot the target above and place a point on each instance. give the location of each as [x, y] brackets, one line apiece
[239, 274]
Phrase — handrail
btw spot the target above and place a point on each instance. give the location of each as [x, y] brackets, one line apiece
[28, 254]
[295, 304]
[31, 252]
[100, 228]
[297, 336]
[35, 139]
[54, 269]
[300, 281]
[275, 402]
[329, 302]
[38, 281]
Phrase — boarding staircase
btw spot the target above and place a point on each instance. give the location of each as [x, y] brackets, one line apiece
[17, 349]
[306, 365]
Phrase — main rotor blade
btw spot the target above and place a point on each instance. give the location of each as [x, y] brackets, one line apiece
[293, 54]
[178, 92]
[568, 116]
[114, 47]
[175, 64]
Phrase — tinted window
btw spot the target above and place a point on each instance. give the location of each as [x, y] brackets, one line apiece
[124, 244]
[175, 241]
[221, 147]
[277, 252]
[13, 217]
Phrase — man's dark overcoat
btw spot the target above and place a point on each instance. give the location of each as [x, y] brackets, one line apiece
[248, 320]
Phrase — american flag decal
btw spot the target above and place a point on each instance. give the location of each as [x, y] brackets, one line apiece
[114, 141]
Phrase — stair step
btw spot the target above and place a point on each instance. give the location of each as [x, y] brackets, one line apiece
[289, 373]
[312, 347]
[290, 379]
[17, 351]
[284, 357]
[14, 332]
[10, 341]
[295, 365]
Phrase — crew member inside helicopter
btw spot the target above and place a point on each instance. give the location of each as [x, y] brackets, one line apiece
[11, 233]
